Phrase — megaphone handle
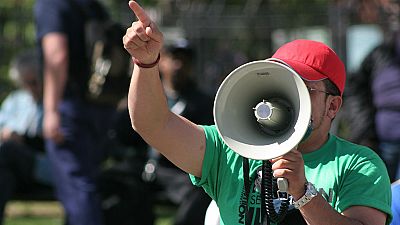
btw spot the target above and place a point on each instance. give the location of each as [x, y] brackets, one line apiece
[282, 184]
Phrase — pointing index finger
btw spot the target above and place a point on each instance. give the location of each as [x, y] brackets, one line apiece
[140, 13]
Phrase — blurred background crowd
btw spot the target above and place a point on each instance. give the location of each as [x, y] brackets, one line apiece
[227, 33]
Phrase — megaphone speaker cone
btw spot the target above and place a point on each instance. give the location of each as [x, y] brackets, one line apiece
[262, 109]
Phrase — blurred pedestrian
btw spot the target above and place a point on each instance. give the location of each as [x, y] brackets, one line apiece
[74, 127]
[373, 106]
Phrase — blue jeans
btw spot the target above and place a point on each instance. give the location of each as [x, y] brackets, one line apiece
[75, 162]
[390, 152]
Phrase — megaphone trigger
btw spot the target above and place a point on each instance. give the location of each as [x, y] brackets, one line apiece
[282, 184]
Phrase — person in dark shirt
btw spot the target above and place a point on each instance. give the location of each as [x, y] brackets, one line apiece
[372, 103]
[73, 127]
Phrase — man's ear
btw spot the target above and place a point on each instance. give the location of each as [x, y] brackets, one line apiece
[335, 103]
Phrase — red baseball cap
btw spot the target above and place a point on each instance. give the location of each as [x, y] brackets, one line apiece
[313, 61]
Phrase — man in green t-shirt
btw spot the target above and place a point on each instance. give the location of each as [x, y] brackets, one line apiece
[331, 181]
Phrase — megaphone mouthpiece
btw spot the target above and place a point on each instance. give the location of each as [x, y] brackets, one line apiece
[274, 116]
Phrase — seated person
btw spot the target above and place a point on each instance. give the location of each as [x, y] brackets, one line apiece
[23, 163]
[160, 180]
[184, 98]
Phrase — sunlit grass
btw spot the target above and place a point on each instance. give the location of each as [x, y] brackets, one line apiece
[33, 220]
[51, 213]
[33, 213]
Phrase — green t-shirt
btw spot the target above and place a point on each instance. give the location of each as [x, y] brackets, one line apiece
[344, 173]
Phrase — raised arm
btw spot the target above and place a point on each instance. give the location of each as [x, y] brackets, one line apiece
[178, 139]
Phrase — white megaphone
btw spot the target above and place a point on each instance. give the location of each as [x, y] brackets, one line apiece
[262, 109]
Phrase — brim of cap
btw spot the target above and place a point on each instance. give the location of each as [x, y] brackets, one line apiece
[306, 72]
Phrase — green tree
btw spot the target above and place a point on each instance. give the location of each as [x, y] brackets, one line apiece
[16, 34]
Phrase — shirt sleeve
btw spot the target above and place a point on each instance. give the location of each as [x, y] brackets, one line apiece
[6, 111]
[209, 174]
[49, 17]
[373, 185]
[19, 113]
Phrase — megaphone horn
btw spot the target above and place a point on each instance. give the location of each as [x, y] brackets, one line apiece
[262, 109]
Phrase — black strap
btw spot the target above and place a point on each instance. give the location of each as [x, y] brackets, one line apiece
[267, 206]
[267, 195]
[246, 178]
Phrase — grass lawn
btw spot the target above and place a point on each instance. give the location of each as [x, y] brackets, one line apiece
[51, 213]
[33, 220]
[33, 213]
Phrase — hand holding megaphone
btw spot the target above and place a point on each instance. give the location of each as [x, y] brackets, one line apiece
[291, 167]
